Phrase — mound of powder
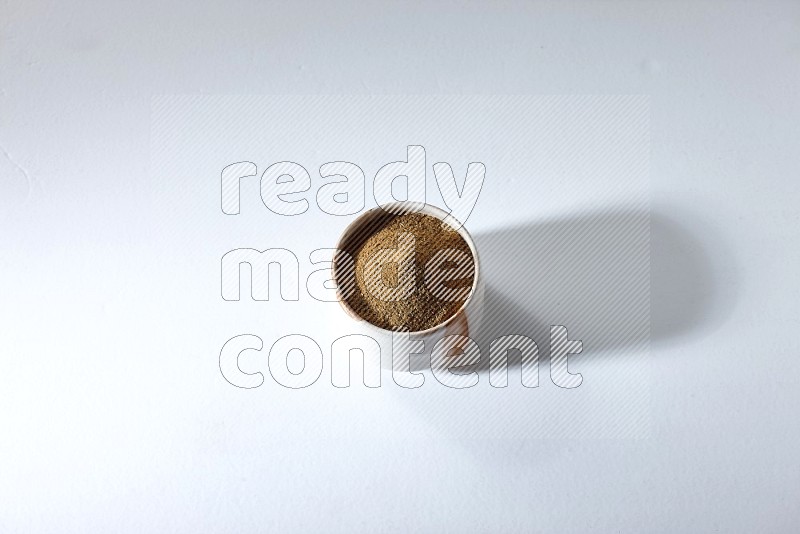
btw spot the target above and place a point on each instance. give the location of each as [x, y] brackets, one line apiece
[421, 309]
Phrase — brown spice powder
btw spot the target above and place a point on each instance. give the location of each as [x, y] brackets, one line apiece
[421, 309]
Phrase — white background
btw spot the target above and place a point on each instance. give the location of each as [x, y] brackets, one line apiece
[112, 421]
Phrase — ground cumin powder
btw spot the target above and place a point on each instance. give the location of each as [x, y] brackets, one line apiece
[421, 309]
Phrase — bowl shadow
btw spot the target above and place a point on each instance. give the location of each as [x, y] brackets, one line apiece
[618, 279]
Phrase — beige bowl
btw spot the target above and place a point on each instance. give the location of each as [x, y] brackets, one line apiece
[464, 322]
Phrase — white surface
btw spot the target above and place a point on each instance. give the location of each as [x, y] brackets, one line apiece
[110, 422]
